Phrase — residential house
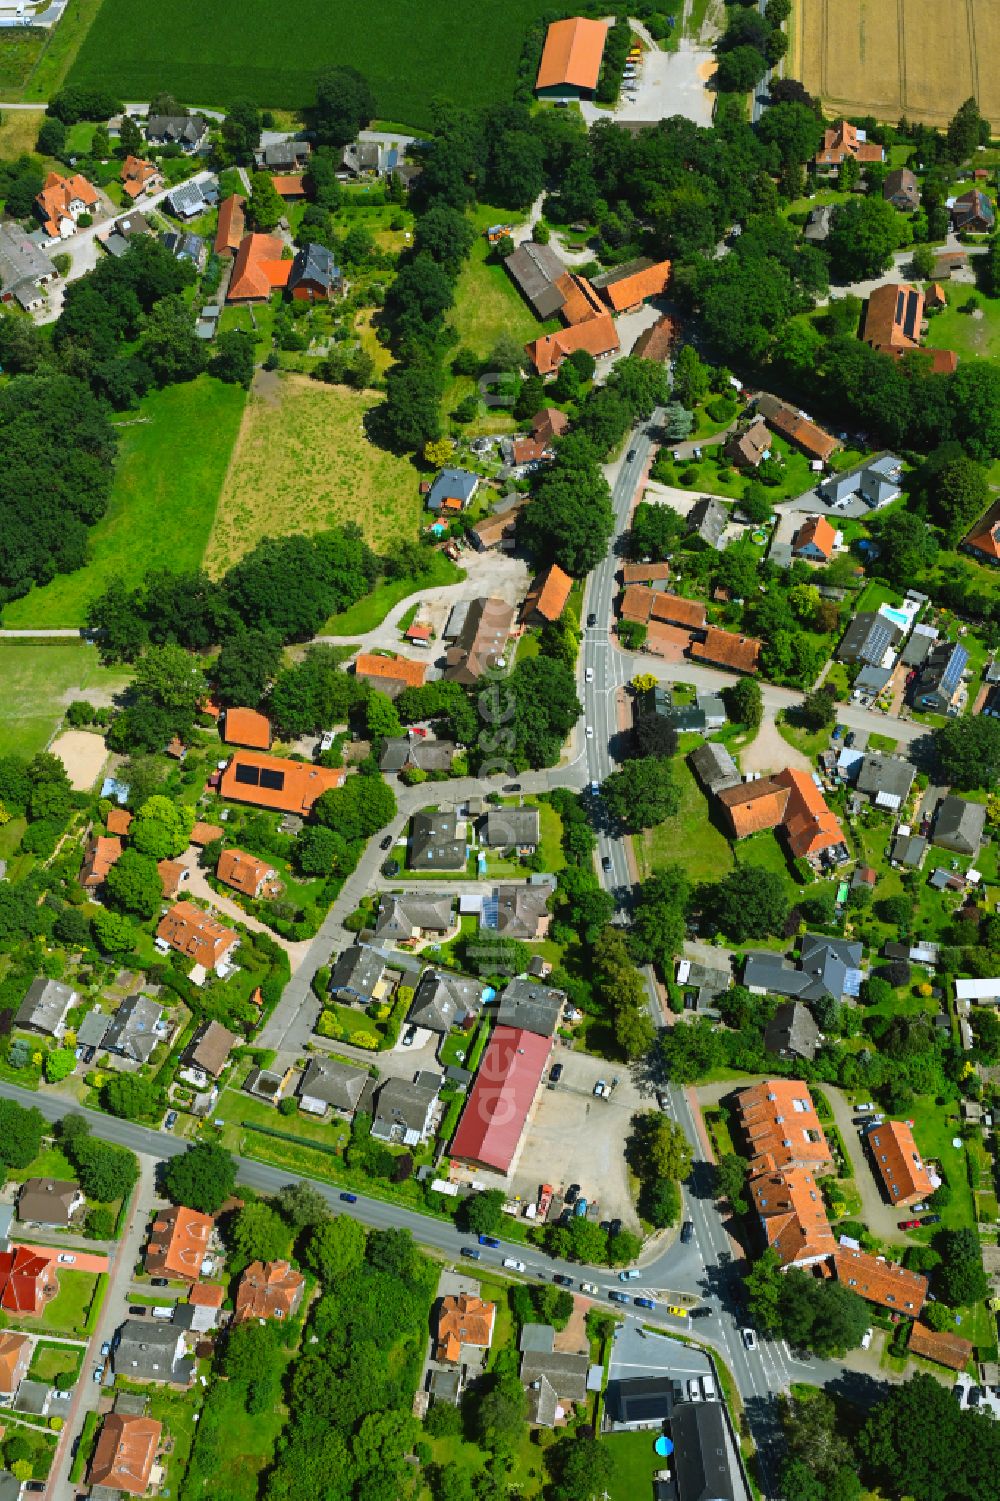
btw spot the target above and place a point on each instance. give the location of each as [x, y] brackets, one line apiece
[879, 1281]
[657, 343]
[178, 1243]
[464, 1322]
[124, 1453]
[134, 1029]
[548, 424]
[571, 59]
[362, 975]
[90, 1032]
[727, 649]
[245, 873]
[100, 854]
[921, 639]
[753, 806]
[909, 850]
[191, 199]
[209, 1048]
[232, 225]
[546, 598]
[959, 825]
[139, 177]
[885, 779]
[444, 1000]
[706, 521]
[364, 159]
[749, 443]
[512, 828]
[702, 984]
[258, 269]
[479, 643]
[943, 1347]
[27, 1281]
[653, 574]
[627, 287]
[498, 530]
[315, 275]
[416, 752]
[187, 247]
[500, 1101]
[327, 1084]
[983, 541]
[246, 727]
[715, 768]
[598, 336]
[805, 434]
[973, 213]
[198, 936]
[815, 540]
[15, 1358]
[898, 1165]
[437, 841]
[186, 131]
[283, 156]
[147, 1351]
[62, 201]
[522, 912]
[173, 875]
[452, 490]
[205, 833]
[273, 782]
[45, 1006]
[404, 1108]
[777, 1119]
[818, 225]
[200, 1314]
[842, 140]
[940, 684]
[871, 639]
[893, 318]
[526, 1006]
[24, 268]
[268, 1290]
[554, 1378]
[901, 188]
[792, 1032]
[537, 272]
[48, 1202]
[792, 1215]
[132, 226]
[827, 967]
[705, 1461]
[390, 674]
[410, 917]
[875, 483]
[290, 187]
[810, 827]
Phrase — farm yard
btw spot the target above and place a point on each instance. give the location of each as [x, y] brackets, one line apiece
[302, 463]
[916, 58]
[464, 52]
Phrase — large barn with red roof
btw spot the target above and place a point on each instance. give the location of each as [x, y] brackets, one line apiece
[500, 1102]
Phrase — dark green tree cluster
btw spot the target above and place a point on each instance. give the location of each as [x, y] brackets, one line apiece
[826, 1318]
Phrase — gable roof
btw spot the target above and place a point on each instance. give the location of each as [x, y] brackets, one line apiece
[47, 1201]
[58, 193]
[984, 537]
[333, 1083]
[868, 638]
[844, 139]
[901, 183]
[178, 1242]
[752, 806]
[644, 573]
[210, 1047]
[973, 204]
[959, 824]
[538, 272]
[708, 518]
[526, 1005]
[15, 1353]
[100, 855]
[893, 317]
[25, 1280]
[793, 1215]
[45, 1005]
[778, 1120]
[810, 825]
[726, 649]
[444, 1000]
[945, 1348]
[886, 776]
[481, 641]
[656, 343]
[715, 767]
[463, 1319]
[274, 782]
[22, 262]
[124, 1453]
[232, 225]
[313, 264]
[877, 1280]
[204, 833]
[196, 934]
[898, 1163]
[118, 821]
[598, 336]
[268, 1290]
[792, 1032]
[815, 532]
[549, 423]
[359, 972]
[634, 282]
[501, 1097]
[809, 436]
[258, 268]
[572, 54]
[401, 672]
[704, 1462]
[580, 300]
[247, 727]
[242, 871]
[548, 594]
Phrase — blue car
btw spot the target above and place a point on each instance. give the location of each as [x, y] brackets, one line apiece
[617, 1297]
[644, 1303]
[489, 1240]
[349, 1198]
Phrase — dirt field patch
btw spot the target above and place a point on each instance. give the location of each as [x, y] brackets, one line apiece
[302, 462]
[83, 754]
[914, 58]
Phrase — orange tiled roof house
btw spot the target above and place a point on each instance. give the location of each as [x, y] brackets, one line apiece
[463, 1320]
[268, 1290]
[178, 1243]
[62, 201]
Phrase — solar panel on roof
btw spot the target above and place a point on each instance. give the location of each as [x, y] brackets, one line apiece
[248, 775]
[273, 779]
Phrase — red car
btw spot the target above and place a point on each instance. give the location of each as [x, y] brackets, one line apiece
[909, 1224]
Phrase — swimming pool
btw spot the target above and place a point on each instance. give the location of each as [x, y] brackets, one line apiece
[898, 617]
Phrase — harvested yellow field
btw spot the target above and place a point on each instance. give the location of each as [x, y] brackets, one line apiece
[891, 58]
[302, 463]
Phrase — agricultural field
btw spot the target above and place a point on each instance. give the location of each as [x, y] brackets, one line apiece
[39, 679]
[33, 64]
[302, 463]
[916, 58]
[19, 130]
[172, 459]
[464, 52]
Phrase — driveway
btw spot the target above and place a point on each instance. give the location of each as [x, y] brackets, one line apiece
[197, 885]
[880, 1217]
[770, 751]
[669, 83]
[81, 1261]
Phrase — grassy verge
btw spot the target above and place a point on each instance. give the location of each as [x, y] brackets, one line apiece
[372, 610]
[688, 838]
[85, 1447]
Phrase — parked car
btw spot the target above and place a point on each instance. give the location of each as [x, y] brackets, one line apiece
[909, 1224]
[615, 1228]
[409, 1035]
[472, 1253]
[154, 1281]
[749, 1339]
[630, 1274]
[838, 730]
[866, 1338]
[700, 1313]
[138, 1310]
[387, 842]
[66, 1258]
[694, 1389]
[687, 1231]
[572, 1193]
[644, 1303]
[489, 1240]
[170, 1120]
[562, 1280]
[106, 1347]
[512, 787]
[975, 1396]
[512, 1263]
[580, 1208]
[931, 1219]
[708, 1388]
[849, 738]
[676, 1311]
[617, 1297]
[590, 1287]
[98, 1373]
[555, 1074]
[349, 1198]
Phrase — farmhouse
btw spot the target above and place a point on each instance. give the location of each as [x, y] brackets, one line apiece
[245, 873]
[540, 277]
[315, 275]
[186, 131]
[62, 201]
[258, 269]
[546, 599]
[273, 782]
[597, 336]
[894, 318]
[973, 212]
[139, 176]
[627, 287]
[24, 268]
[571, 59]
[806, 435]
[479, 641]
[656, 343]
[390, 674]
[232, 225]
[495, 1114]
[844, 139]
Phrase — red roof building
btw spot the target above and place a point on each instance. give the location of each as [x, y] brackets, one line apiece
[899, 1165]
[778, 1121]
[571, 58]
[139, 176]
[27, 1280]
[880, 1281]
[273, 782]
[814, 540]
[844, 139]
[247, 727]
[268, 1290]
[793, 1215]
[497, 1109]
[232, 225]
[983, 541]
[258, 269]
[598, 336]
[245, 873]
[178, 1243]
[124, 1453]
[810, 826]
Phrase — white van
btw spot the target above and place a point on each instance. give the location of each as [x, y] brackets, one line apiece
[708, 1387]
[514, 1266]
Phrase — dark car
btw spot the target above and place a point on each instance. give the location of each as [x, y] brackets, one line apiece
[489, 1240]
[572, 1193]
[975, 1396]
[700, 1313]
[605, 862]
[591, 618]
[931, 1219]
[617, 1297]
[512, 787]
[170, 1120]
[644, 1303]
[472, 1253]
[138, 1309]
[630, 456]
[387, 842]
[35, 1486]
[687, 1231]
[349, 1198]
[615, 1227]
[562, 1279]
[556, 1073]
[159, 1282]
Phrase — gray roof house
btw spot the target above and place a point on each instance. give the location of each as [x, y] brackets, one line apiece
[188, 200]
[706, 1467]
[404, 1108]
[132, 1032]
[522, 911]
[922, 638]
[405, 752]
[958, 825]
[314, 274]
[187, 131]
[940, 683]
[359, 975]
[536, 269]
[530, 1007]
[144, 1351]
[328, 1083]
[444, 1000]
[826, 967]
[706, 521]
[405, 916]
[283, 156]
[452, 484]
[45, 1006]
[93, 1029]
[875, 484]
[187, 247]
[715, 767]
[552, 1376]
[792, 1032]
[817, 227]
[506, 827]
[48, 1201]
[869, 638]
[435, 843]
[24, 268]
[886, 779]
[909, 849]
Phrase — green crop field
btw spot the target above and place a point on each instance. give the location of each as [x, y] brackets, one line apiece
[465, 50]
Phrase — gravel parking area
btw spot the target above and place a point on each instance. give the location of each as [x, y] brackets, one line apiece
[575, 1137]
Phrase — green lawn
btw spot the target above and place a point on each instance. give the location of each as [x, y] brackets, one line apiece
[373, 608]
[177, 1412]
[169, 475]
[236, 1446]
[51, 1162]
[412, 55]
[708, 477]
[634, 1460]
[67, 1311]
[971, 338]
[49, 1361]
[39, 679]
[689, 838]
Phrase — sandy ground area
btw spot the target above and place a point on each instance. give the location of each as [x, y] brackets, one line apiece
[83, 754]
[770, 752]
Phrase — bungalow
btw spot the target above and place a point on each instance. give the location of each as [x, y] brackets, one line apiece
[598, 336]
[959, 825]
[902, 189]
[245, 873]
[24, 268]
[390, 674]
[940, 684]
[983, 541]
[273, 782]
[139, 176]
[571, 59]
[628, 286]
[827, 968]
[49, 1202]
[404, 1108]
[258, 269]
[444, 1000]
[437, 841]
[327, 1084]
[546, 599]
[186, 131]
[511, 828]
[199, 936]
[842, 140]
[45, 1007]
[232, 225]
[815, 540]
[452, 490]
[410, 917]
[973, 212]
[62, 201]
[315, 275]
[362, 975]
[748, 445]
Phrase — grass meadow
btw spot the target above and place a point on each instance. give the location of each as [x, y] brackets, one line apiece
[39, 679]
[168, 478]
[33, 64]
[465, 51]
